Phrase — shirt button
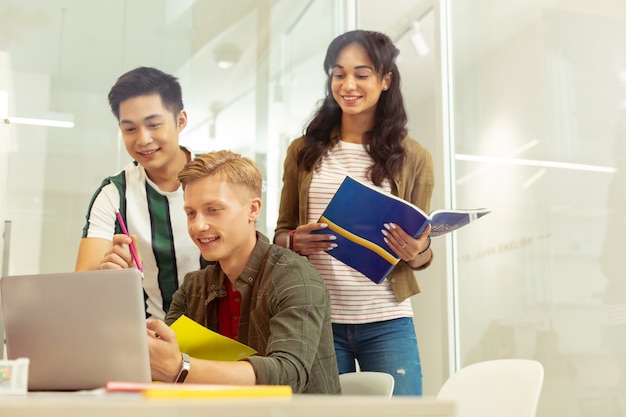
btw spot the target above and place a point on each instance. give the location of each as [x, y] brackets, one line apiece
[392, 279]
[250, 279]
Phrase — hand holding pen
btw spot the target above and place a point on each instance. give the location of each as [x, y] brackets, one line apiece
[118, 243]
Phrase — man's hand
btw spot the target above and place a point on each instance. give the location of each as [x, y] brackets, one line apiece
[165, 356]
[119, 256]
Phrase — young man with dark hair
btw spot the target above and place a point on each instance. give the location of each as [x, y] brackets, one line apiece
[149, 109]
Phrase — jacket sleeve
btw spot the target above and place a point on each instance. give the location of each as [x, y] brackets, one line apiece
[299, 329]
[289, 197]
[178, 307]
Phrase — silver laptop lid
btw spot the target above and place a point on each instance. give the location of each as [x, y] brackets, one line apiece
[79, 329]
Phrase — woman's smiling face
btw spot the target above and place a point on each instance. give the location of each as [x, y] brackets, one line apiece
[356, 86]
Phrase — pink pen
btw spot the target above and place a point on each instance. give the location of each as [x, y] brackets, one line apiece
[131, 246]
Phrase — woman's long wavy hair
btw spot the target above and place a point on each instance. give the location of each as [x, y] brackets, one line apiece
[385, 139]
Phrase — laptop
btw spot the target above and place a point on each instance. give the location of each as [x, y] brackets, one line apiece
[79, 329]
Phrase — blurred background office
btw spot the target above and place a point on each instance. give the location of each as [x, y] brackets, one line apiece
[521, 102]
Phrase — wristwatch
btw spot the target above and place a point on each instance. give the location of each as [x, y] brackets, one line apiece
[184, 369]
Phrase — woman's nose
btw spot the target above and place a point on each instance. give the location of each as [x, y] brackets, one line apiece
[349, 82]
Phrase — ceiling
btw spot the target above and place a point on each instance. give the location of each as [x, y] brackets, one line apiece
[85, 44]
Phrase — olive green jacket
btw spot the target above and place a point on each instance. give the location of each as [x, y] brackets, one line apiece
[415, 184]
[285, 317]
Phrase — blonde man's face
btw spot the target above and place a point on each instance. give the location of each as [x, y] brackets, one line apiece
[221, 220]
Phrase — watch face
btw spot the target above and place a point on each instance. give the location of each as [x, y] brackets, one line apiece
[182, 376]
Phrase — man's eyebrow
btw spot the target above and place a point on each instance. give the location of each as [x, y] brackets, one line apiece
[146, 119]
[207, 203]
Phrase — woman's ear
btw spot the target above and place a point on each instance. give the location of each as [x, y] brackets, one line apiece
[387, 81]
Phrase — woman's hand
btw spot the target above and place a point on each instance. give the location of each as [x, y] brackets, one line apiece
[407, 248]
[305, 243]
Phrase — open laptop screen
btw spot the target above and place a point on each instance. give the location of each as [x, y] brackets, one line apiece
[79, 329]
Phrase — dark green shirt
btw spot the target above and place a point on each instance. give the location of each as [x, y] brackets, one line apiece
[285, 317]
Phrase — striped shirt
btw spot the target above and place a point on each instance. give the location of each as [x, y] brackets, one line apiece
[355, 299]
[160, 223]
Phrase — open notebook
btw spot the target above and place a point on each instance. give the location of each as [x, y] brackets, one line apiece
[79, 329]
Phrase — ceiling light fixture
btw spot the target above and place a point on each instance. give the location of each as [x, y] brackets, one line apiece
[226, 55]
[48, 119]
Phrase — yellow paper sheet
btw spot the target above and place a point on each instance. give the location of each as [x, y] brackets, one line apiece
[199, 342]
[172, 391]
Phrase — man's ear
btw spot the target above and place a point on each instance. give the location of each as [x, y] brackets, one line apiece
[255, 209]
[181, 120]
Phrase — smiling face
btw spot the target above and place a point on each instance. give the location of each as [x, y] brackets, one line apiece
[221, 221]
[356, 86]
[150, 131]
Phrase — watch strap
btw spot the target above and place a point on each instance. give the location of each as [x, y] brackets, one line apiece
[184, 369]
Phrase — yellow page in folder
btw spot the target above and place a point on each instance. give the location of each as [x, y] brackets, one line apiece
[199, 342]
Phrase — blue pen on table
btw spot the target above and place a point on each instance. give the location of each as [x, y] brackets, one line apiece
[131, 246]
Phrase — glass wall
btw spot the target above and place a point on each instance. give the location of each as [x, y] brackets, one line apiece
[538, 133]
[414, 27]
[250, 71]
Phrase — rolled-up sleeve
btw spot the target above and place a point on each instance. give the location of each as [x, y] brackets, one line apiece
[299, 334]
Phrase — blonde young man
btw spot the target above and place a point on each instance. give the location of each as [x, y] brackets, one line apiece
[260, 294]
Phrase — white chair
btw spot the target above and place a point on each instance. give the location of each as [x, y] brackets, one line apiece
[496, 388]
[366, 383]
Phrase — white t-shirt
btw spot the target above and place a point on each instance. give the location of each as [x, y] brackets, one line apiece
[160, 223]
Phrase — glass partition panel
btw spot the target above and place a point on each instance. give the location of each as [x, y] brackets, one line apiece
[250, 73]
[538, 90]
[296, 86]
[413, 28]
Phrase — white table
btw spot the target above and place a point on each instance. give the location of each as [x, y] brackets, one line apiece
[134, 405]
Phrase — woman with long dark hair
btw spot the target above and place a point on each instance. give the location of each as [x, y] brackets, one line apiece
[360, 130]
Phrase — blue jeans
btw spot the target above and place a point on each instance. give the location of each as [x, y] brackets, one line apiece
[385, 346]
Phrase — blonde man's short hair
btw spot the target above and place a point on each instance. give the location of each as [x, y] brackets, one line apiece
[226, 166]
